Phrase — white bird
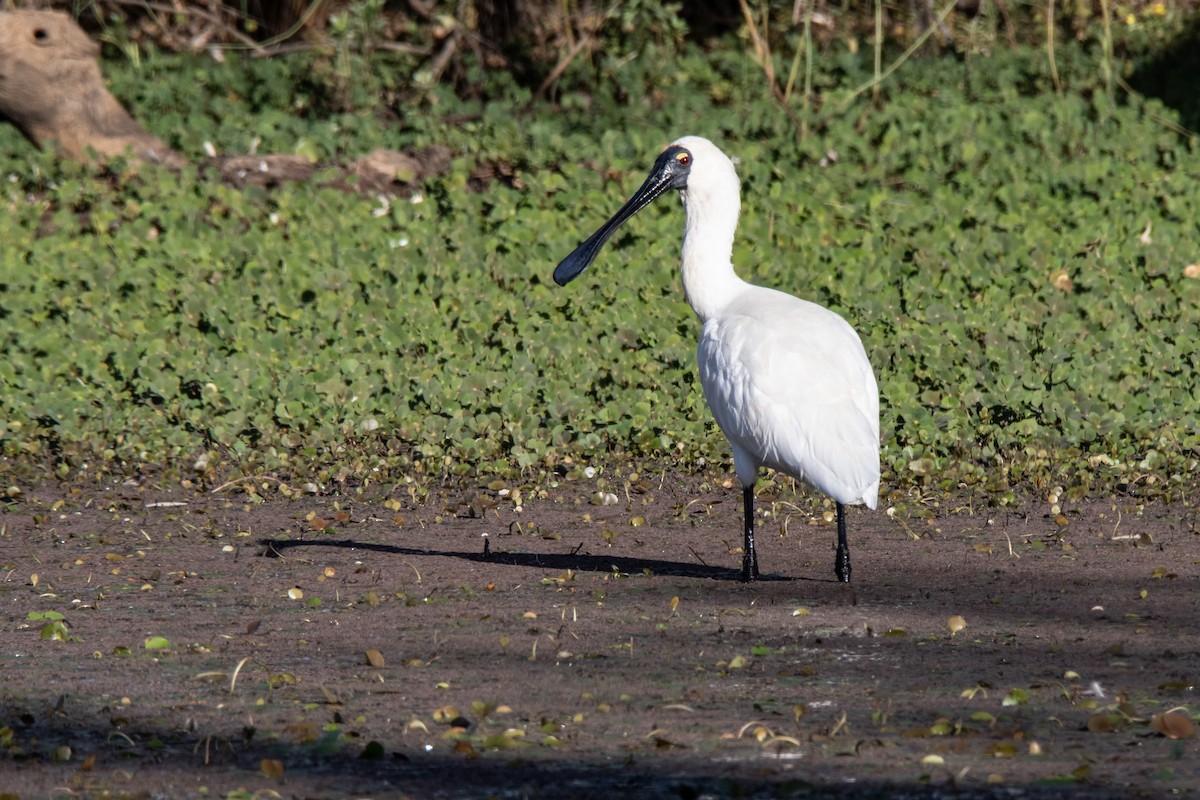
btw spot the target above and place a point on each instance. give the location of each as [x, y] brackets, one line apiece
[787, 380]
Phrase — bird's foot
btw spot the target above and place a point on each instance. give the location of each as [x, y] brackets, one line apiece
[749, 569]
[841, 564]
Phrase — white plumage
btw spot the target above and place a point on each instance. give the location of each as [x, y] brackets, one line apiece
[788, 381]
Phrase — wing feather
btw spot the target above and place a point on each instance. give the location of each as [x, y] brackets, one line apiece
[790, 385]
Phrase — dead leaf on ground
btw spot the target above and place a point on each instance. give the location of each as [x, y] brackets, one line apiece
[465, 748]
[1174, 725]
[1104, 723]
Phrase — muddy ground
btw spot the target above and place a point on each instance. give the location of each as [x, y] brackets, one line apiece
[364, 646]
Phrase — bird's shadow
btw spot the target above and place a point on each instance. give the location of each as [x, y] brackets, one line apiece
[579, 562]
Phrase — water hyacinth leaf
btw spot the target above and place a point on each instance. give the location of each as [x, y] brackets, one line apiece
[55, 631]
[1176, 686]
[278, 679]
[445, 714]
[511, 737]
[157, 643]
[943, 727]
[1003, 749]
[482, 710]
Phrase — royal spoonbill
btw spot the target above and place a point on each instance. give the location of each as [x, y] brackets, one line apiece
[787, 380]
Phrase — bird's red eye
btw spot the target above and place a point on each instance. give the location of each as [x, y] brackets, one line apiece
[684, 159]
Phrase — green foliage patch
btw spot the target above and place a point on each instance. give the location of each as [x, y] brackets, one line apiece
[1014, 259]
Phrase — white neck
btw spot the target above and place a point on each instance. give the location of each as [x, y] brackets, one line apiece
[707, 260]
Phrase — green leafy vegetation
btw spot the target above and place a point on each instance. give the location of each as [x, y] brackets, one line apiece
[55, 627]
[1017, 260]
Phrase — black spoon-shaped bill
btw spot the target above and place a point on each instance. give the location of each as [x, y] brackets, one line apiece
[670, 172]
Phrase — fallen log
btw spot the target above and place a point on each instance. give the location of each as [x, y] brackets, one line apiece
[52, 89]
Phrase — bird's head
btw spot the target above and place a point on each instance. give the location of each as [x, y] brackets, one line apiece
[693, 165]
[710, 175]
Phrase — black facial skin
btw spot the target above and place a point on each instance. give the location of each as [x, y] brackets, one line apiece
[670, 172]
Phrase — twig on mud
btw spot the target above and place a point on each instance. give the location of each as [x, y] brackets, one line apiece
[1011, 552]
[243, 479]
[678, 707]
[912, 534]
[274, 552]
[29, 550]
[414, 569]
[697, 555]
[236, 670]
[742, 731]
[124, 736]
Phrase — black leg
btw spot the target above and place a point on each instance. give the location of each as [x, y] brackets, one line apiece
[841, 563]
[749, 558]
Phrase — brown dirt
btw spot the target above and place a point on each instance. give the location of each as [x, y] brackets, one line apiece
[626, 659]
